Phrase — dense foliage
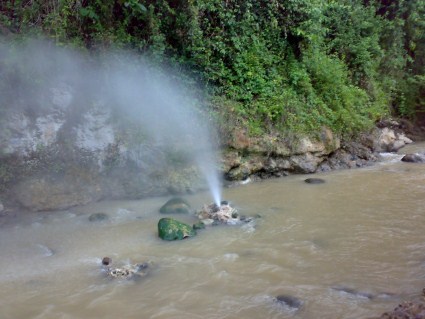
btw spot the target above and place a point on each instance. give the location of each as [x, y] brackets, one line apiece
[287, 64]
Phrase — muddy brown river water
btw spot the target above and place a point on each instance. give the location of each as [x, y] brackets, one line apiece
[353, 247]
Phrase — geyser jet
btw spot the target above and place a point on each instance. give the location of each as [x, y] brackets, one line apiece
[169, 113]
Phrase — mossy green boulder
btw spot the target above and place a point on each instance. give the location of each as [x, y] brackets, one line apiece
[175, 205]
[171, 229]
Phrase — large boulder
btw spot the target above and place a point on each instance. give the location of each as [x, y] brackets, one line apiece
[175, 205]
[390, 141]
[306, 163]
[171, 229]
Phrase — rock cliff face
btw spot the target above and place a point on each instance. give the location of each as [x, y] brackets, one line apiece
[268, 156]
[64, 155]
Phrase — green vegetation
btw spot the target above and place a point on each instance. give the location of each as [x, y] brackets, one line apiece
[294, 65]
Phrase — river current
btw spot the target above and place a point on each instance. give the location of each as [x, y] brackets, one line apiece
[353, 247]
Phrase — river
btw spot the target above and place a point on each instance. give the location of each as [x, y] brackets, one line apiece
[353, 247]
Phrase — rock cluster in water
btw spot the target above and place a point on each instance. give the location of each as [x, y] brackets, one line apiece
[224, 214]
[212, 214]
[131, 271]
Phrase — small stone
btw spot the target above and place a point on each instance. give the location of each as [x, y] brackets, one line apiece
[314, 181]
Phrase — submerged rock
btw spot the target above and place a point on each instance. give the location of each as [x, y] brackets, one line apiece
[414, 158]
[171, 229]
[130, 271]
[98, 217]
[46, 251]
[314, 181]
[175, 205]
[289, 301]
[353, 292]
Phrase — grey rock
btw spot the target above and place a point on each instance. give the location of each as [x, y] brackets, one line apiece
[414, 158]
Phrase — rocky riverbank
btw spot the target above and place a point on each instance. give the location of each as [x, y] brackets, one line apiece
[275, 155]
[53, 160]
[83, 132]
[413, 309]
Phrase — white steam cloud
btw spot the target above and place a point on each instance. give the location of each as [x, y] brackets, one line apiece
[157, 100]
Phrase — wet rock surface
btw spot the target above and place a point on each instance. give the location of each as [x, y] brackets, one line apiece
[390, 140]
[224, 214]
[172, 229]
[414, 158]
[275, 156]
[125, 271]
